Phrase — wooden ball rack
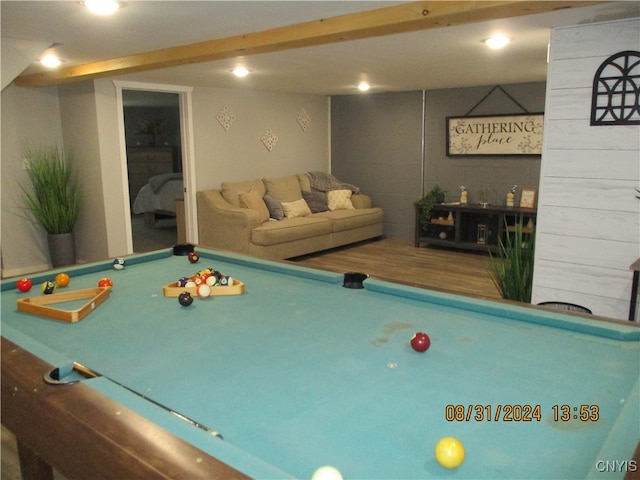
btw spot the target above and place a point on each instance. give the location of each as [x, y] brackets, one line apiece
[42, 304]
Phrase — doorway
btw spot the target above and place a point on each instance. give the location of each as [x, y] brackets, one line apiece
[154, 166]
[157, 165]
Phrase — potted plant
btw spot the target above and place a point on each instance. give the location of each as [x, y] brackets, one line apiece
[511, 270]
[426, 203]
[54, 198]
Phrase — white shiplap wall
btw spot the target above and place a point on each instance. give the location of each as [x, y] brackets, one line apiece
[588, 216]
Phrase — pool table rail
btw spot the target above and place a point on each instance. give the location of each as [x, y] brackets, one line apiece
[73, 429]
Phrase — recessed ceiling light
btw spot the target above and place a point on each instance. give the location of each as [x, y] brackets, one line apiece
[363, 86]
[102, 7]
[497, 41]
[50, 61]
[240, 72]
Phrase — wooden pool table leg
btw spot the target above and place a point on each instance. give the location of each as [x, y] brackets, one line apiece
[32, 466]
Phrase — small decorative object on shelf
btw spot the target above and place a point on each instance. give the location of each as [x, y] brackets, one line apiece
[482, 234]
[511, 196]
[463, 195]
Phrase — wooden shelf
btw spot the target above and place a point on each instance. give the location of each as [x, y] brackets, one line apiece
[437, 221]
[475, 227]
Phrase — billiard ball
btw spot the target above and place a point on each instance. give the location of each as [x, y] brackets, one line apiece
[62, 279]
[420, 342]
[183, 281]
[211, 280]
[185, 299]
[449, 452]
[118, 264]
[48, 287]
[327, 473]
[190, 284]
[24, 284]
[203, 290]
[105, 282]
[194, 257]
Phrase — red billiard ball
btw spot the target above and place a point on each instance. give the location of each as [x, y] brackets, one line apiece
[105, 282]
[185, 299]
[24, 284]
[420, 342]
[194, 257]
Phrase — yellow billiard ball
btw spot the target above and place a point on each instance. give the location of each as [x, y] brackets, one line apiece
[449, 452]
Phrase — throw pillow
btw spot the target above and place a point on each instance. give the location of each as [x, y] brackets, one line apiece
[299, 208]
[254, 201]
[284, 189]
[339, 200]
[275, 209]
[317, 201]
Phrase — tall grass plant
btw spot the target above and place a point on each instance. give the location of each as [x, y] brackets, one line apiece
[511, 268]
[54, 197]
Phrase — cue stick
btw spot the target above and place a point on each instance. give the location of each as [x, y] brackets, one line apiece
[93, 374]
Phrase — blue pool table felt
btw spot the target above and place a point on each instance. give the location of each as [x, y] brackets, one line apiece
[299, 372]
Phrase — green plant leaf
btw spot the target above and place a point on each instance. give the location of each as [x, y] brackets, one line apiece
[54, 197]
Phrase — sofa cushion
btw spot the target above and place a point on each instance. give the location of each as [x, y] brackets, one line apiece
[283, 189]
[342, 220]
[289, 230]
[317, 201]
[231, 190]
[254, 201]
[274, 207]
[339, 200]
[304, 181]
[299, 208]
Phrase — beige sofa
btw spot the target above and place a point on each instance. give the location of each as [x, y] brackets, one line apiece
[241, 217]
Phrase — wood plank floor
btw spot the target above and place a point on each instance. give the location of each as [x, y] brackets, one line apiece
[387, 259]
[399, 261]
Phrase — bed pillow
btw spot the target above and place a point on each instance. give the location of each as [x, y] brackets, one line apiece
[254, 201]
[339, 200]
[274, 207]
[298, 208]
[317, 201]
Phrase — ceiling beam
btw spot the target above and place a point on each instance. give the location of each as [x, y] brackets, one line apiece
[382, 21]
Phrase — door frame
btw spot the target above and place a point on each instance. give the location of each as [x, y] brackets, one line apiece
[187, 147]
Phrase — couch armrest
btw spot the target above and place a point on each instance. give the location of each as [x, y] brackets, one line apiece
[360, 200]
[222, 225]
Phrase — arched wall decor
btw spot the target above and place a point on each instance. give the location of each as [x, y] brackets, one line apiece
[615, 98]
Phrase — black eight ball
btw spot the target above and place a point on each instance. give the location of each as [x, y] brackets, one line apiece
[185, 299]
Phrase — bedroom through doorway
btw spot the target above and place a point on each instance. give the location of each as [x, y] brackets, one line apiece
[154, 166]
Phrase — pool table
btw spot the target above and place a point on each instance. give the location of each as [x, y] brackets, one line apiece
[298, 372]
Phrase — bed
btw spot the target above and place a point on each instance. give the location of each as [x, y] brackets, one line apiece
[158, 197]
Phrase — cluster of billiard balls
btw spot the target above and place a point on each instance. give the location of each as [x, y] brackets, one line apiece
[49, 286]
[202, 281]
[62, 280]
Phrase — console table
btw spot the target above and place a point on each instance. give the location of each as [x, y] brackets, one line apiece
[471, 227]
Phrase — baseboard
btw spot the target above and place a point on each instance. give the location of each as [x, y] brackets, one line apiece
[22, 271]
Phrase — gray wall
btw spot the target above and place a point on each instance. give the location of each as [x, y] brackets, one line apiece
[497, 174]
[85, 116]
[376, 144]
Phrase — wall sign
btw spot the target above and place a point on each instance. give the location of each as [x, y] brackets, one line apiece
[495, 135]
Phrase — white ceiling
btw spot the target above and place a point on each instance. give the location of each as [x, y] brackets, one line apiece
[440, 58]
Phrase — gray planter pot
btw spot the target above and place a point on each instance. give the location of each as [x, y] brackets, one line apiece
[62, 249]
